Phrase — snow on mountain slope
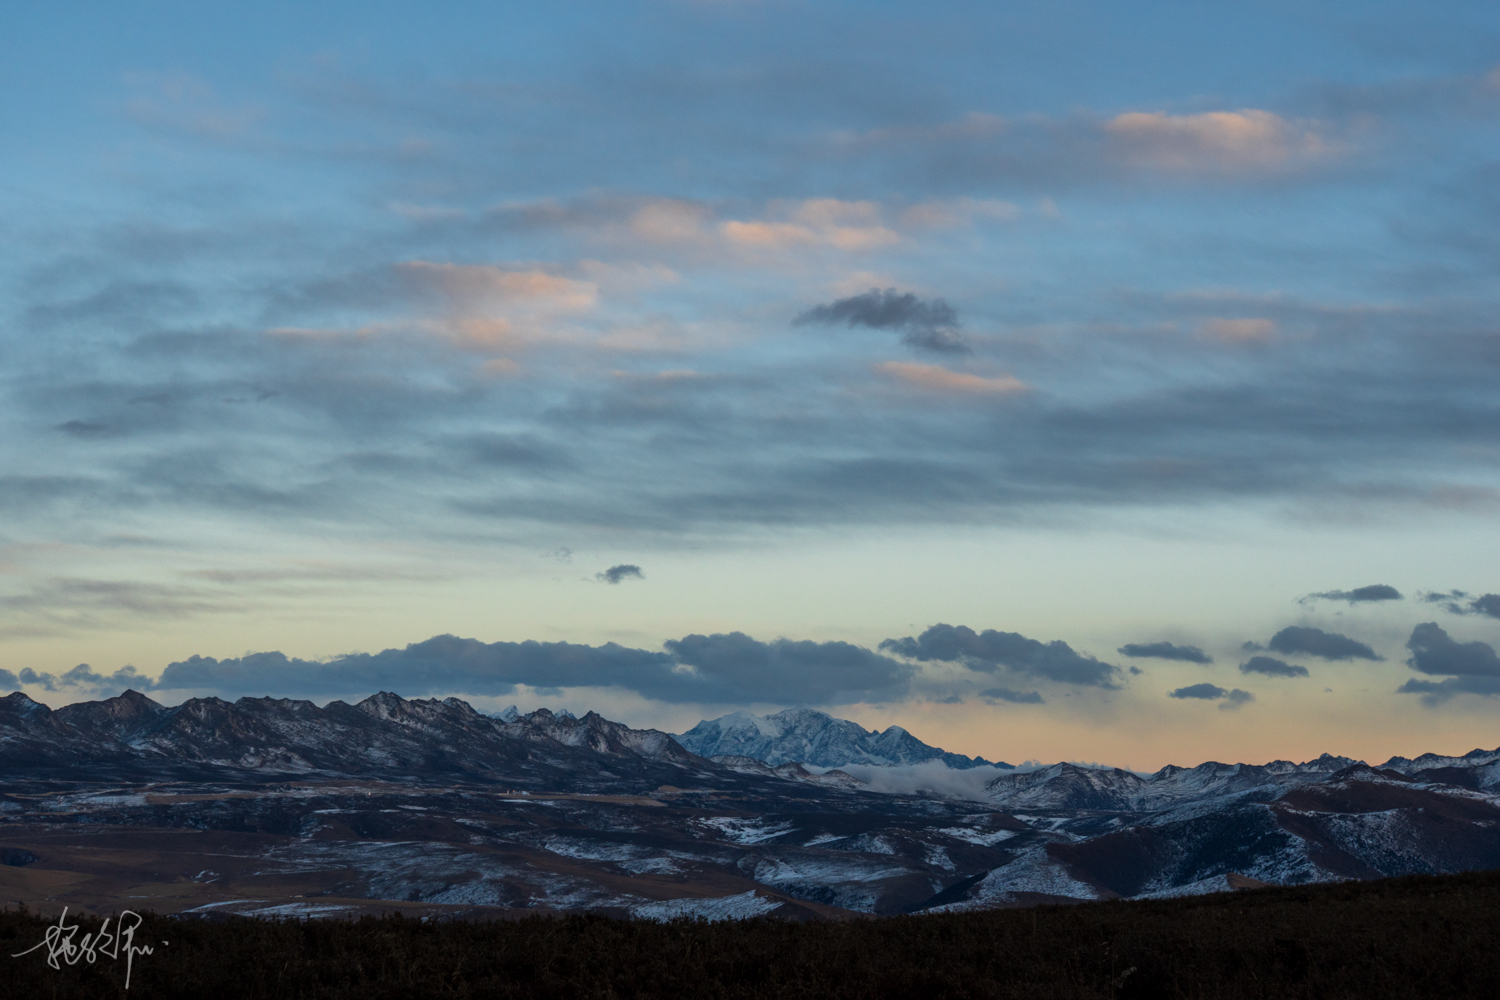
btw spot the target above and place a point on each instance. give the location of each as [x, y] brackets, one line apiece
[810, 737]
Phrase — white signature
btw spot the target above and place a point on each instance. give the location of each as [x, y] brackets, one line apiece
[60, 944]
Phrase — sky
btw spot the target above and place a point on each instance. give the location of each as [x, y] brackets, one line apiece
[1057, 380]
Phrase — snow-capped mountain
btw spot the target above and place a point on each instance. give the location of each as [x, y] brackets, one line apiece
[802, 735]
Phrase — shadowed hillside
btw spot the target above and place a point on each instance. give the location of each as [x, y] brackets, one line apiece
[1420, 936]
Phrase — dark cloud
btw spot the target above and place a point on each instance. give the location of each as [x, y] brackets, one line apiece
[1165, 651]
[1006, 694]
[741, 669]
[990, 650]
[1433, 651]
[1206, 691]
[1359, 595]
[1473, 666]
[1437, 692]
[926, 324]
[1296, 639]
[624, 571]
[9, 680]
[1487, 605]
[1271, 667]
[1227, 699]
[709, 669]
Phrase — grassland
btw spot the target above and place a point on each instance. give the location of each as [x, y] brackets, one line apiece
[1424, 936]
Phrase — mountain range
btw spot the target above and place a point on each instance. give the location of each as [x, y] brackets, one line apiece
[279, 807]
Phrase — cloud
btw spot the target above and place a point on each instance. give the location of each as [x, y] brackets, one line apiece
[1206, 691]
[670, 221]
[83, 680]
[1006, 694]
[1433, 651]
[989, 650]
[1238, 331]
[1487, 605]
[1165, 651]
[1296, 639]
[1359, 595]
[728, 668]
[1271, 667]
[747, 670]
[844, 225]
[926, 324]
[9, 680]
[1233, 142]
[478, 285]
[934, 378]
[1473, 666]
[624, 571]
[1229, 700]
[1237, 698]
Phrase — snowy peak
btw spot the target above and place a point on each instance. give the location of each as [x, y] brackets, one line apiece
[804, 735]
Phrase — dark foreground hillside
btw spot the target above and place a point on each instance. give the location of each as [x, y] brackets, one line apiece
[1422, 936]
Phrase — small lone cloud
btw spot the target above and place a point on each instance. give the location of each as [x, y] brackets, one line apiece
[926, 324]
[1271, 667]
[616, 574]
[1296, 639]
[1359, 595]
[1165, 651]
[1229, 700]
[1205, 691]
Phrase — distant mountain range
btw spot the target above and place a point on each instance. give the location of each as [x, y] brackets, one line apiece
[802, 735]
[281, 807]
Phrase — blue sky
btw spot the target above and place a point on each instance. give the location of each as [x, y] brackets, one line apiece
[330, 331]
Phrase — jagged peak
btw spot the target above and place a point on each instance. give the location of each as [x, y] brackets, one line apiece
[384, 705]
[130, 696]
[22, 704]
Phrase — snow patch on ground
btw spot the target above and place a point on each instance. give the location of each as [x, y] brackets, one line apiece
[740, 907]
[746, 830]
[972, 836]
[1032, 871]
